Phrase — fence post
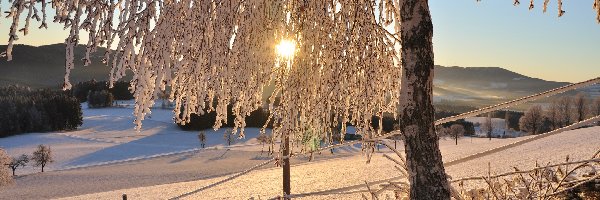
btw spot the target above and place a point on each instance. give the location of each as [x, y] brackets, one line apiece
[286, 165]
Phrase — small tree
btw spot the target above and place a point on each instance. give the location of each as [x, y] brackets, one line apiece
[202, 138]
[335, 136]
[564, 110]
[397, 136]
[228, 136]
[554, 116]
[42, 156]
[456, 131]
[442, 131]
[596, 107]
[595, 111]
[532, 120]
[264, 139]
[506, 120]
[5, 177]
[580, 104]
[488, 126]
[16, 162]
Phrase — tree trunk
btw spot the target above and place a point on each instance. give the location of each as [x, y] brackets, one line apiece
[427, 176]
[286, 166]
[42, 167]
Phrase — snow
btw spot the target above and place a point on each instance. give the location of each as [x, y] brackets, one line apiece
[107, 136]
[351, 172]
[107, 146]
[499, 128]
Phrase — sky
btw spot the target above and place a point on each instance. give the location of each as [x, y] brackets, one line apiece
[480, 34]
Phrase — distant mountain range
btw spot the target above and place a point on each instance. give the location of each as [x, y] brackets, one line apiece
[43, 66]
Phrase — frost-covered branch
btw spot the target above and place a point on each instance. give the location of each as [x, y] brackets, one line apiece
[218, 53]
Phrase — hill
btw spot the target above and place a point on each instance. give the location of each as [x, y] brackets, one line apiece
[44, 66]
[485, 85]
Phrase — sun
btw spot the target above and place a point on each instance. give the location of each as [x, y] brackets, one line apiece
[286, 48]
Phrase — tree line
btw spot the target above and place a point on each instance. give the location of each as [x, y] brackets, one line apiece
[26, 110]
[559, 113]
[92, 88]
[198, 122]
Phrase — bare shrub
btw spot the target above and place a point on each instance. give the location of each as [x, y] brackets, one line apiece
[557, 181]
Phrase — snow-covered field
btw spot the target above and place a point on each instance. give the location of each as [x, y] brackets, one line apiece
[341, 178]
[107, 136]
[106, 158]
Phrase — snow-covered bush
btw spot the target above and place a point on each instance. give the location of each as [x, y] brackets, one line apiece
[5, 177]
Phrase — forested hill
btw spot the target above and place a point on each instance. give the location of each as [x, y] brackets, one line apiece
[44, 66]
[462, 83]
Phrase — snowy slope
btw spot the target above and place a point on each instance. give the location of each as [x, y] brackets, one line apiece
[348, 174]
[107, 136]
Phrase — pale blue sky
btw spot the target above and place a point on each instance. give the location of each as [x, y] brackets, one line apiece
[491, 33]
[496, 33]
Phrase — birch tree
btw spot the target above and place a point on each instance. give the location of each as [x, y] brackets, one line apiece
[340, 58]
[488, 126]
